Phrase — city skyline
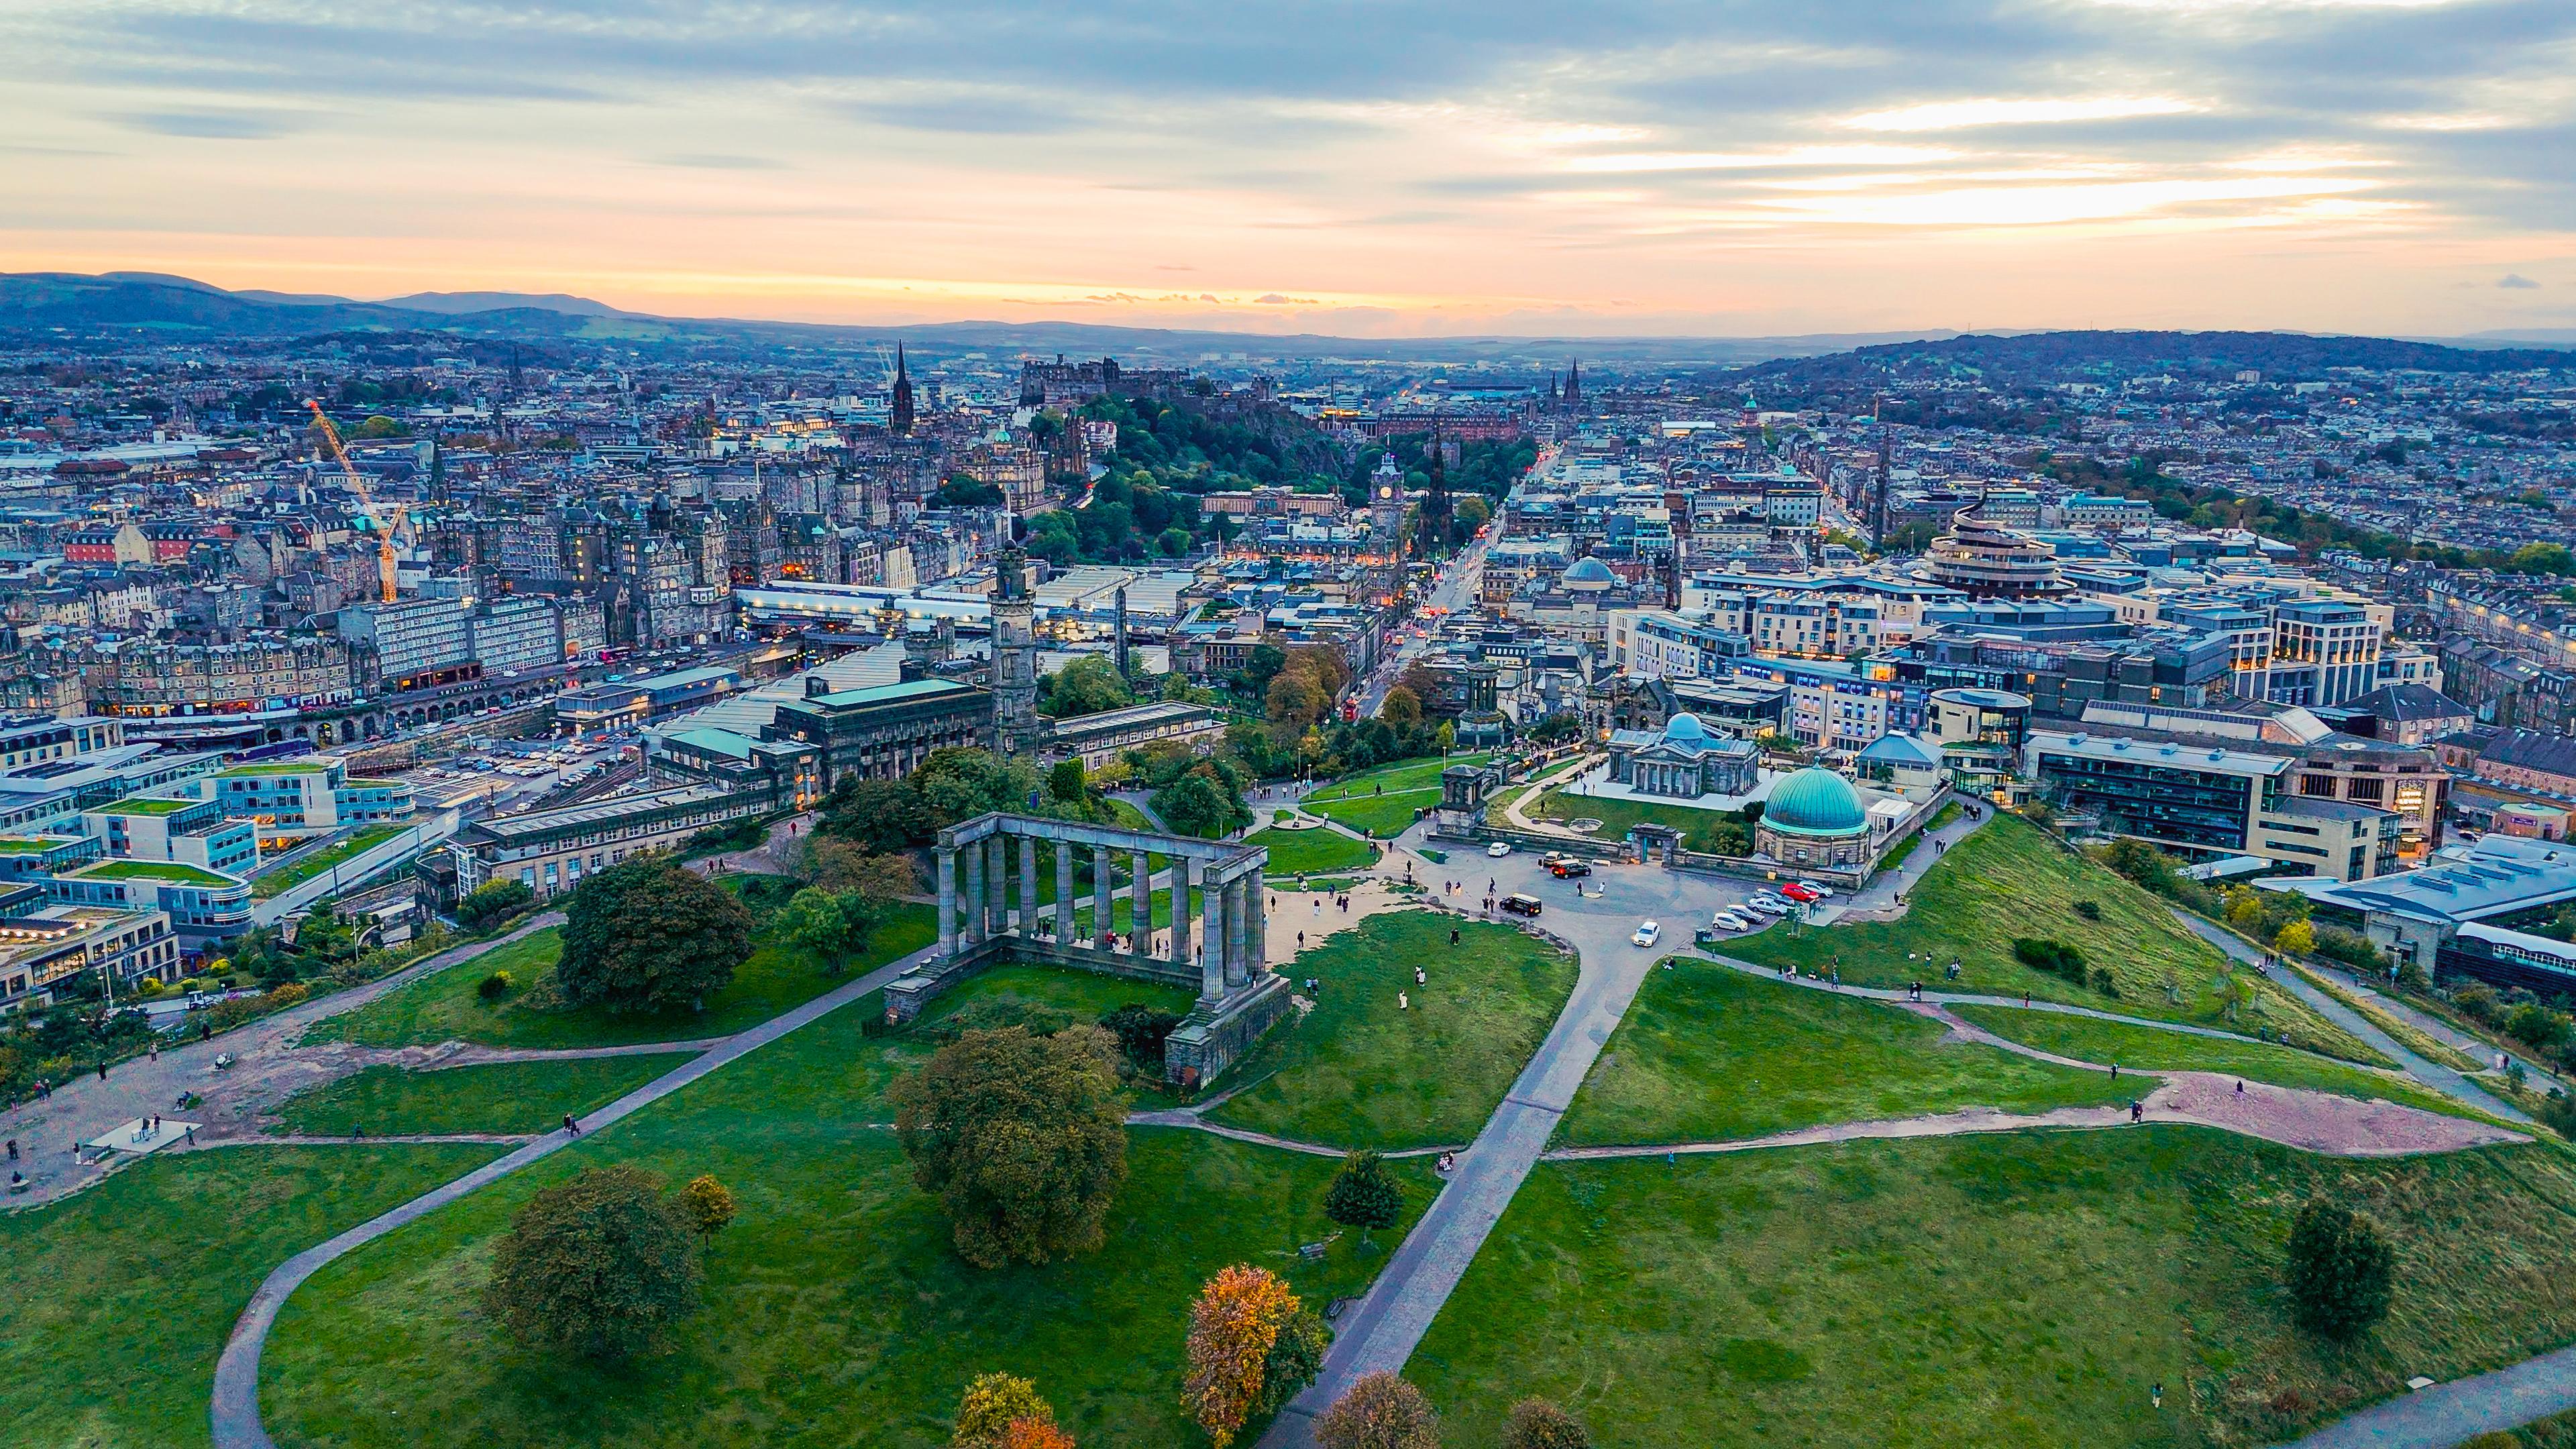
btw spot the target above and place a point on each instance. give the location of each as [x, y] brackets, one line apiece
[2360, 167]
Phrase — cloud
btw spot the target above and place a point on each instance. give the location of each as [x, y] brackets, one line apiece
[974, 115]
[1275, 299]
[716, 161]
[211, 125]
[2032, 111]
[2515, 281]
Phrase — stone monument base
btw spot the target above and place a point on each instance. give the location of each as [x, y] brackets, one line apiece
[1213, 1038]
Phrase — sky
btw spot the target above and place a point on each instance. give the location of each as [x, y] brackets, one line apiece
[1373, 169]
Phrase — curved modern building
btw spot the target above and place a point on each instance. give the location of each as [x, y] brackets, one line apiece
[1983, 559]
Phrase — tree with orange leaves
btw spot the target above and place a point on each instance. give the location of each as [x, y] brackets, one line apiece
[1034, 1433]
[1232, 1326]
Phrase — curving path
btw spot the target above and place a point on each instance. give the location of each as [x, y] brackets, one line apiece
[235, 1411]
[89, 1106]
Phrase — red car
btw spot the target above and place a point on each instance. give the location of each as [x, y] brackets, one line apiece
[1802, 893]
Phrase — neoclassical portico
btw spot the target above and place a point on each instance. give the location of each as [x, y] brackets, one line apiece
[989, 869]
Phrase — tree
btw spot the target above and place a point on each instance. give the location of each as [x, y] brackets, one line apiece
[2298, 938]
[646, 935]
[840, 867]
[1539, 1424]
[960, 784]
[1261, 664]
[1202, 803]
[1296, 1358]
[2340, 1270]
[1035, 1433]
[1088, 685]
[1021, 1137]
[1364, 1195]
[877, 815]
[813, 923]
[1380, 1411]
[492, 901]
[1066, 783]
[1401, 707]
[601, 1265]
[1294, 701]
[992, 1403]
[706, 1205]
[1233, 1324]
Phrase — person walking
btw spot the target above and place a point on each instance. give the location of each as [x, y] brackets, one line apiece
[13, 1149]
[572, 1128]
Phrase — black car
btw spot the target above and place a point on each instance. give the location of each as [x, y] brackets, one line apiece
[1522, 905]
[1568, 869]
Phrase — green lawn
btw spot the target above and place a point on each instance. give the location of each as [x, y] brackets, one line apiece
[836, 1311]
[2009, 880]
[495, 1097]
[2148, 1049]
[1380, 815]
[1617, 817]
[1308, 852]
[1358, 1072]
[278, 882]
[115, 1302]
[1400, 776]
[1709, 1054]
[443, 1006]
[2024, 1289]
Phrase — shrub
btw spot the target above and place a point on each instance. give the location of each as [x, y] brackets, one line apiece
[991, 1404]
[1380, 1411]
[707, 1206]
[2103, 982]
[2089, 910]
[278, 998]
[2041, 953]
[1538, 1424]
[2340, 1270]
[1364, 1195]
[494, 986]
[2477, 1001]
[1141, 1032]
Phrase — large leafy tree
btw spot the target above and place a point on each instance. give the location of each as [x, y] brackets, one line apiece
[1539, 1424]
[1364, 1194]
[647, 935]
[1203, 803]
[2341, 1270]
[993, 1404]
[601, 1266]
[877, 815]
[1088, 685]
[960, 784]
[1021, 1137]
[1233, 1325]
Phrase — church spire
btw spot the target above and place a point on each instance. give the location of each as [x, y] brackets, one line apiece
[902, 394]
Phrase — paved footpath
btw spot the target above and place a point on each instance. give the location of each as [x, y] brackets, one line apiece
[2432, 1074]
[235, 1413]
[46, 1129]
[2447, 1414]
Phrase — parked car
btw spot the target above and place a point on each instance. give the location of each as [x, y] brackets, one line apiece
[1499, 848]
[1520, 905]
[1730, 921]
[1647, 933]
[1801, 892]
[1767, 906]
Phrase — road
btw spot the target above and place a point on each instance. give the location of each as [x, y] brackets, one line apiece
[1454, 588]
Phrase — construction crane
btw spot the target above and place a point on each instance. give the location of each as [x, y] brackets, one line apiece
[366, 501]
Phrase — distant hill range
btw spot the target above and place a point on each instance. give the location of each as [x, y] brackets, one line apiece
[38, 306]
[126, 304]
[2111, 356]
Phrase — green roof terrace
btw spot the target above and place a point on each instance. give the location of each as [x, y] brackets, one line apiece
[167, 872]
[145, 805]
[242, 771]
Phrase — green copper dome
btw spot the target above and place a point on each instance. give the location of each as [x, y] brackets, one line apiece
[1815, 801]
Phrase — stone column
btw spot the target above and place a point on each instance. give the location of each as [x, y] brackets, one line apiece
[1064, 892]
[1212, 973]
[997, 887]
[1186, 876]
[947, 903]
[973, 926]
[1256, 928]
[1028, 885]
[1140, 905]
[1214, 947]
[1237, 917]
[1104, 877]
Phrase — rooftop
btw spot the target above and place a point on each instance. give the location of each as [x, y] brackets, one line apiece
[142, 805]
[168, 872]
